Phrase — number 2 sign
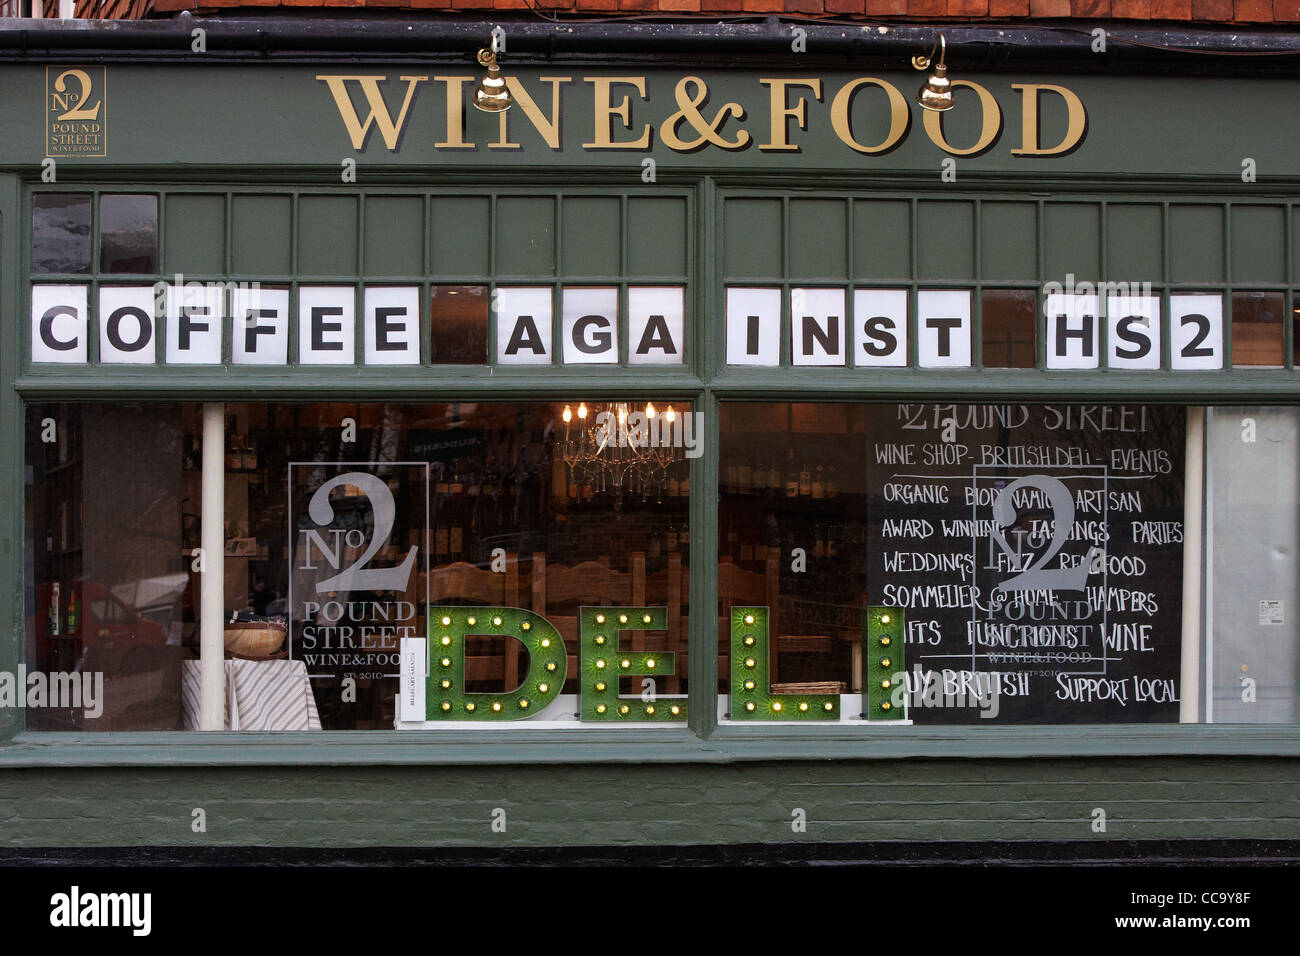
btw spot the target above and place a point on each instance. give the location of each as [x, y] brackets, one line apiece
[356, 548]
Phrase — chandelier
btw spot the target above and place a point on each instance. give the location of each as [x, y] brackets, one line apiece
[618, 446]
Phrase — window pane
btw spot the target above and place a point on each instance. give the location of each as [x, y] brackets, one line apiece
[110, 590]
[458, 324]
[344, 524]
[1008, 323]
[61, 233]
[1034, 552]
[128, 234]
[1257, 328]
[1254, 575]
[503, 505]
[793, 481]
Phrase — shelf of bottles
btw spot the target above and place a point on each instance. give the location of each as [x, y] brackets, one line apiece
[792, 508]
[777, 497]
[57, 487]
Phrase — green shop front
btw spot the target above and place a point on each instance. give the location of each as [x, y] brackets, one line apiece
[704, 450]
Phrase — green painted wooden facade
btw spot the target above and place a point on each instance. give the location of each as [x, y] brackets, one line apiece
[246, 162]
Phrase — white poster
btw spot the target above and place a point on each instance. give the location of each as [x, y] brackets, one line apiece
[656, 317]
[126, 325]
[880, 327]
[327, 325]
[753, 326]
[259, 326]
[59, 323]
[392, 325]
[1196, 331]
[943, 328]
[590, 326]
[195, 320]
[818, 326]
[414, 670]
[524, 325]
[1073, 330]
[1133, 331]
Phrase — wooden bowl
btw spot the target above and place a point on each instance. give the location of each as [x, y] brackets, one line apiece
[254, 638]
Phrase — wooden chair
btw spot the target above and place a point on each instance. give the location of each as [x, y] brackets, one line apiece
[558, 591]
[467, 584]
[736, 586]
[672, 582]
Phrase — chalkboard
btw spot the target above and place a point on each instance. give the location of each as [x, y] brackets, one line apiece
[1038, 553]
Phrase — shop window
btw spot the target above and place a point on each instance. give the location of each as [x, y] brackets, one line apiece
[793, 538]
[1008, 327]
[128, 234]
[1257, 328]
[342, 525]
[111, 590]
[1033, 559]
[1254, 581]
[459, 325]
[61, 233]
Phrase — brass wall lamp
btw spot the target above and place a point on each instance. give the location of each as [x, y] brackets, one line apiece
[936, 94]
[492, 95]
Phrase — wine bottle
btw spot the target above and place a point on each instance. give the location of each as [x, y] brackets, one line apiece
[74, 613]
[54, 625]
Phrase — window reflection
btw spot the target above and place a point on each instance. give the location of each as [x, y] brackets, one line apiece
[1257, 328]
[1008, 323]
[128, 234]
[1037, 549]
[1252, 542]
[61, 233]
[342, 523]
[458, 323]
[793, 537]
[109, 589]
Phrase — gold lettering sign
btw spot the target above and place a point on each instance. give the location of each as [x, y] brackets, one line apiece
[602, 137]
[455, 112]
[389, 128]
[76, 111]
[692, 94]
[783, 112]
[899, 116]
[548, 128]
[992, 123]
[690, 124]
[1076, 124]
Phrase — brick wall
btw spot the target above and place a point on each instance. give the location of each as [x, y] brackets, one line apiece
[595, 805]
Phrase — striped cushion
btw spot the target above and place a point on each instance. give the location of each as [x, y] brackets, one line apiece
[260, 695]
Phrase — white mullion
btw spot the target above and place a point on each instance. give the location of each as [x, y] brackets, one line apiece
[212, 578]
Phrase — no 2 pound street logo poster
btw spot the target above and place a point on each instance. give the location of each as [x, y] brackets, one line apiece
[76, 111]
[358, 577]
[1038, 554]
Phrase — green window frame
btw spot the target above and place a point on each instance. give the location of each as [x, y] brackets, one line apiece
[704, 379]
